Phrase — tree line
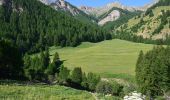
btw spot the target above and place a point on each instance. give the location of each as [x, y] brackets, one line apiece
[124, 35]
[40, 68]
[153, 72]
[32, 26]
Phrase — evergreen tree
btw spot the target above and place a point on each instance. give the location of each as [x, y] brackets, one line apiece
[63, 75]
[76, 75]
[139, 68]
[152, 72]
[38, 25]
[10, 61]
[47, 58]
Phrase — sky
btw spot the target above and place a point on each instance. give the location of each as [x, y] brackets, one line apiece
[98, 3]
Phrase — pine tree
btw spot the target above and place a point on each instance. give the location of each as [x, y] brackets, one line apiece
[63, 75]
[139, 67]
[42, 61]
[47, 58]
[76, 75]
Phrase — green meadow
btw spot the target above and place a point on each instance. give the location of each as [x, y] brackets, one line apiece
[107, 58]
[42, 92]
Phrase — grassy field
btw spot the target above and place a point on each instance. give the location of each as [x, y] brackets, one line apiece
[107, 58]
[42, 92]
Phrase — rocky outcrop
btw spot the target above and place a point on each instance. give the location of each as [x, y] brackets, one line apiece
[62, 5]
[101, 10]
[134, 96]
[114, 15]
[46, 2]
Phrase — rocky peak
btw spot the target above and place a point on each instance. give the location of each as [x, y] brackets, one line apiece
[46, 2]
[63, 5]
[114, 15]
[86, 8]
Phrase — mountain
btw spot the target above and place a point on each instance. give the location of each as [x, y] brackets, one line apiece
[33, 26]
[154, 23]
[115, 14]
[63, 5]
[46, 2]
[112, 12]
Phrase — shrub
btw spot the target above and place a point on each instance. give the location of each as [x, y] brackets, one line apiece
[128, 89]
[116, 88]
[92, 80]
[104, 87]
[109, 88]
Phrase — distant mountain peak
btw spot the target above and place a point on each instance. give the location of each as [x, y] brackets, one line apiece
[46, 2]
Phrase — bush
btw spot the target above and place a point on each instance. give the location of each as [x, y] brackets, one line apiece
[116, 88]
[104, 88]
[92, 80]
[128, 89]
[160, 98]
[109, 88]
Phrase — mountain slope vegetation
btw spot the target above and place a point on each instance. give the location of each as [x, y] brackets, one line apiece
[32, 26]
[125, 15]
[154, 23]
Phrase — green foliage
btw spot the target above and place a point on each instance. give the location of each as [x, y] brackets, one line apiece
[76, 76]
[104, 88]
[152, 71]
[39, 67]
[92, 81]
[10, 61]
[139, 68]
[112, 88]
[32, 26]
[164, 21]
[116, 88]
[63, 75]
[84, 82]
[160, 3]
[41, 92]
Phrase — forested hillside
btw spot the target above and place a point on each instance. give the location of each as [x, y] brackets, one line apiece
[32, 26]
[154, 23]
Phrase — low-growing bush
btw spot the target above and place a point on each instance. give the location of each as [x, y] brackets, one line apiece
[116, 88]
[104, 87]
[128, 89]
[112, 88]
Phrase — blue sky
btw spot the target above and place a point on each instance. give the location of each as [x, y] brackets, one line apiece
[97, 3]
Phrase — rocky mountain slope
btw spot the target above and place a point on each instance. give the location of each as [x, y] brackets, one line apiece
[111, 12]
[70, 9]
[154, 23]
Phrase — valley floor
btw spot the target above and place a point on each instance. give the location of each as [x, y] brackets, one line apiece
[107, 58]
